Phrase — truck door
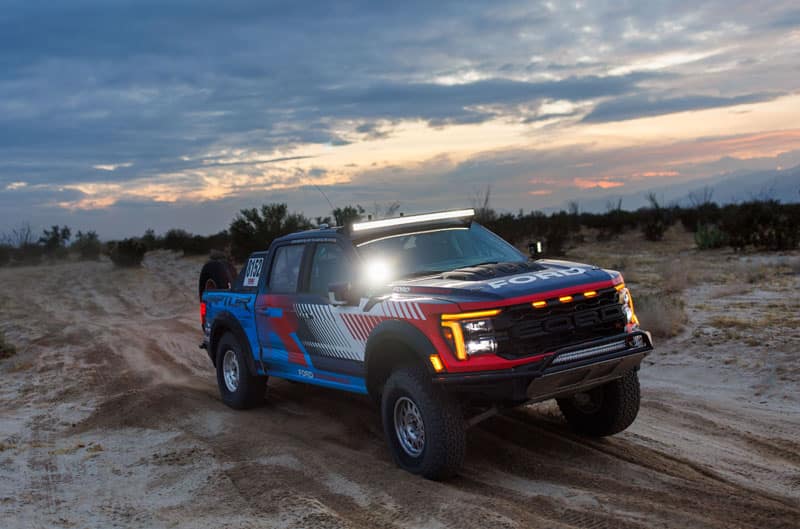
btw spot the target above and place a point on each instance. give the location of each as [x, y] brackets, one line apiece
[276, 318]
[323, 327]
[240, 300]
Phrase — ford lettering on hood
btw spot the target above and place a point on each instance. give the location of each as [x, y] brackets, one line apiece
[509, 280]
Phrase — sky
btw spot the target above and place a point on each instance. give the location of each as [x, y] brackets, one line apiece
[121, 116]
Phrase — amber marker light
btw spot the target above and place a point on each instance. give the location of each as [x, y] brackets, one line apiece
[436, 362]
[619, 287]
[565, 299]
[471, 315]
[590, 294]
[539, 304]
[453, 334]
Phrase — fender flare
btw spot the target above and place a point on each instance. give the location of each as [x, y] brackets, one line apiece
[396, 332]
[225, 321]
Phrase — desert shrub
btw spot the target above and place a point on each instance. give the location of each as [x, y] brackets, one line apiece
[182, 241]
[709, 236]
[176, 240]
[752, 272]
[765, 224]
[151, 241]
[655, 219]
[702, 210]
[7, 350]
[127, 253]
[87, 245]
[254, 229]
[5, 254]
[29, 254]
[611, 223]
[557, 236]
[662, 314]
[24, 248]
[508, 227]
[203, 245]
[675, 276]
[54, 241]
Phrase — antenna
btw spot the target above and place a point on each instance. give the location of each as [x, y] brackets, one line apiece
[324, 195]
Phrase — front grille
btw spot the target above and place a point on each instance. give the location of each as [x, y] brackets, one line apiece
[525, 331]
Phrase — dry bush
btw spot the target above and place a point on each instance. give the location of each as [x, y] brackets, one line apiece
[730, 322]
[675, 275]
[751, 272]
[7, 350]
[662, 314]
[728, 289]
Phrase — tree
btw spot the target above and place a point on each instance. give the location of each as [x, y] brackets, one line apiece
[127, 252]
[150, 240]
[55, 240]
[656, 219]
[385, 210]
[347, 215]
[254, 229]
[87, 245]
[26, 250]
[484, 213]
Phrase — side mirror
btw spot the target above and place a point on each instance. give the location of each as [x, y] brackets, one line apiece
[536, 249]
[343, 294]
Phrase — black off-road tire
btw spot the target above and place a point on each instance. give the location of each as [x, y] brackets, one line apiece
[442, 416]
[250, 389]
[216, 274]
[612, 407]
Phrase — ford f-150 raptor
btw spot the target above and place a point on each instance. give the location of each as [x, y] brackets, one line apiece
[436, 318]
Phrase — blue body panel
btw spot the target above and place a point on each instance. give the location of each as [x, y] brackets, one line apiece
[275, 352]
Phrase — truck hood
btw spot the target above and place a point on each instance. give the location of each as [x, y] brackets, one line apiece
[505, 281]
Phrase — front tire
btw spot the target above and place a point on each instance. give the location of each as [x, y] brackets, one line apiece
[604, 410]
[423, 425]
[238, 388]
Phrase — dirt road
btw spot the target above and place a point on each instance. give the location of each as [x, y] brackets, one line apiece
[110, 417]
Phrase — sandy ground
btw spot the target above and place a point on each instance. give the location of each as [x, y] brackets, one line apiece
[110, 417]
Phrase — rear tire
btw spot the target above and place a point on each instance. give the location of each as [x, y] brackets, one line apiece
[216, 274]
[423, 425]
[604, 410]
[238, 388]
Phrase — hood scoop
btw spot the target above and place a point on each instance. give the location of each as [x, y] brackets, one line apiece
[490, 271]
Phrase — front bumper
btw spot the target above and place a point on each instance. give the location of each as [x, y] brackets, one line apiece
[565, 371]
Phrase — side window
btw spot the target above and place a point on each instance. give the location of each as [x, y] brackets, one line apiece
[328, 265]
[283, 277]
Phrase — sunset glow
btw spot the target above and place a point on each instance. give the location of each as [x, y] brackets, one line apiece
[427, 114]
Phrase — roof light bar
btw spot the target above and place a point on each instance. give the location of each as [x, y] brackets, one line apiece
[413, 219]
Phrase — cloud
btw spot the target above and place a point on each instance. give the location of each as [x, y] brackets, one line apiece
[111, 166]
[211, 102]
[587, 183]
[638, 106]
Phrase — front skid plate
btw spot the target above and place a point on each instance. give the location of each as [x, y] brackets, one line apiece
[572, 381]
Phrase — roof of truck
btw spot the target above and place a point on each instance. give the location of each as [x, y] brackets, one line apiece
[371, 229]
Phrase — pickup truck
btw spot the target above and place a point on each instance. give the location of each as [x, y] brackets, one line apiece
[437, 319]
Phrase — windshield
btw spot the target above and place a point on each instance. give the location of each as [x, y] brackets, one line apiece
[436, 251]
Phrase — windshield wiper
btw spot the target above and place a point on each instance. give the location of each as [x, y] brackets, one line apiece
[420, 273]
[481, 264]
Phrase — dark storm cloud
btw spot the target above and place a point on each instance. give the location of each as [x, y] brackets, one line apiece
[642, 106]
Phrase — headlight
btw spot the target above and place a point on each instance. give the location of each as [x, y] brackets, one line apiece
[626, 300]
[470, 333]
